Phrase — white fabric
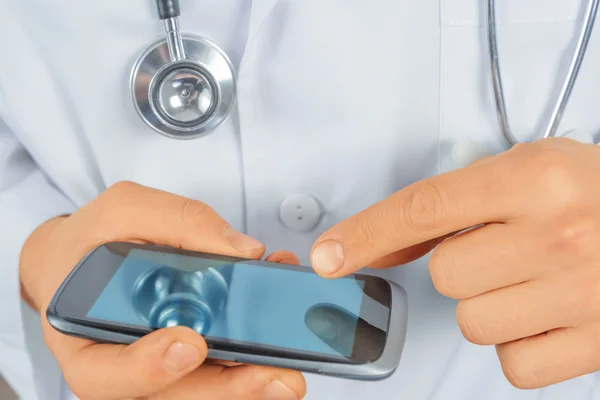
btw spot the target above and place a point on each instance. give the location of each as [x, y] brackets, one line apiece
[580, 135]
[26, 200]
[466, 151]
[344, 101]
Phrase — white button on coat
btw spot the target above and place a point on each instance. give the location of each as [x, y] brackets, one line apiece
[300, 212]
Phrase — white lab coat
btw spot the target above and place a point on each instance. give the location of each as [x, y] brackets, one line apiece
[340, 101]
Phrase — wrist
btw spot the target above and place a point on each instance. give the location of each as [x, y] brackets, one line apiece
[31, 273]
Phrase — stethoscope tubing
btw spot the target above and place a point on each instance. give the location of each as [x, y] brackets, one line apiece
[569, 82]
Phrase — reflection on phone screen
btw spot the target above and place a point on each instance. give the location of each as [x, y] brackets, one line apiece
[236, 301]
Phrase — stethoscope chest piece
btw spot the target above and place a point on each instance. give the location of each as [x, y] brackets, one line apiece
[185, 98]
[183, 87]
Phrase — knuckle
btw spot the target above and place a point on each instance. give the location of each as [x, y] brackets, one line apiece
[575, 236]
[426, 207]
[121, 188]
[520, 147]
[470, 324]
[443, 273]
[194, 212]
[120, 194]
[107, 209]
[518, 373]
[517, 377]
[554, 173]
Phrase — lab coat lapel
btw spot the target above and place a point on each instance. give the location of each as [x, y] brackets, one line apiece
[261, 9]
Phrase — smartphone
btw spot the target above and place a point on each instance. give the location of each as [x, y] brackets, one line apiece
[248, 311]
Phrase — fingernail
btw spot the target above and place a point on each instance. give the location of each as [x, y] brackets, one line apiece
[328, 257]
[242, 242]
[181, 356]
[278, 391]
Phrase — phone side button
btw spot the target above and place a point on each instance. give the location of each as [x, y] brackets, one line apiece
[313, 371]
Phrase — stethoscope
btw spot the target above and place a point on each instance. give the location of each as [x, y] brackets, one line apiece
[184, 88]
[467, 151]
[569, 82]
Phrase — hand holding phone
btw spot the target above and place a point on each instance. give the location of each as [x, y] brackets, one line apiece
[167, 363]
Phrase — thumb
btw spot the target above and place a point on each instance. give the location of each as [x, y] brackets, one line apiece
[147, 366]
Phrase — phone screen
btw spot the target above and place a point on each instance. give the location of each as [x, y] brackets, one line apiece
[234, 303]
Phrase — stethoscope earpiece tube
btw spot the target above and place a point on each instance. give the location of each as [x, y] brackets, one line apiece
[168, 9]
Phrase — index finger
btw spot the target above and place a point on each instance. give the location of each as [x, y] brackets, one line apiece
[423, 211]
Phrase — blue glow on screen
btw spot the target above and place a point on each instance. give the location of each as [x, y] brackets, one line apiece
[264, 305]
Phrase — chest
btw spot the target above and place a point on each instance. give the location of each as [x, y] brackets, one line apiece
[360, 89]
